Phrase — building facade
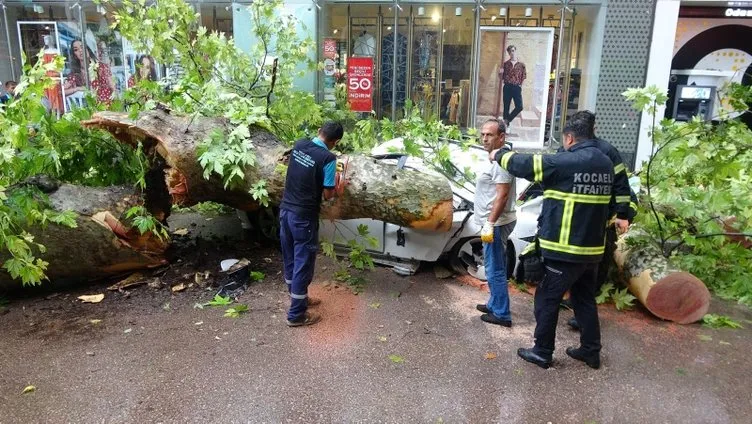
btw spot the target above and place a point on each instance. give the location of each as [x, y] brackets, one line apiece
[452, 60]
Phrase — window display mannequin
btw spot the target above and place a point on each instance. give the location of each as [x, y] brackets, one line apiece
[365, 45]
[54, 94]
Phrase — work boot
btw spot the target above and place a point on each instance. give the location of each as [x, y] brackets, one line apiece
[492, 319]
[573, 324]
[308, 318]
[593, 361]
[483, 308]
[534, 358]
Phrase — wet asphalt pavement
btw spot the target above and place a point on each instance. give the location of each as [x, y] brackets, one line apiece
[406, 350]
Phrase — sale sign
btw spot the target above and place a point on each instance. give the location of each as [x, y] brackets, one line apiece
[330, 48]
[360, 84]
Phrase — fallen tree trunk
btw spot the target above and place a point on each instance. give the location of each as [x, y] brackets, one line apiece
[101, 245]
[666, 292]
[375, 190]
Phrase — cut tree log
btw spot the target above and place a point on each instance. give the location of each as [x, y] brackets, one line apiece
[665, 291]
[101, 245]
[374, 190]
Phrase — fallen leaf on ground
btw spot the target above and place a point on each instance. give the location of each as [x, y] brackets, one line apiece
[91, 298]
[382, 338]
[490, 355]
[29, 389]
[155, 283]
[395, 294]
[133, 280]
[396, 359]
[704, 338]
[178, 287]
[724, 343]
[375, 305]
[127, 330]
[95, 321]
[198, 323]
[268, 260]
[180, 232]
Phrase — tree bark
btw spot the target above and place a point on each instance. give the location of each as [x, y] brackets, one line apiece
[374, 190]
[102, 244]
[665, 291]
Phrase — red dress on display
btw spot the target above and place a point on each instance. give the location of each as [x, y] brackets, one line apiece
[55, 93]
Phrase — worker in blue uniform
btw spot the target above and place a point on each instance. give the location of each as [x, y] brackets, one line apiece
[311, 176]
[577, 191]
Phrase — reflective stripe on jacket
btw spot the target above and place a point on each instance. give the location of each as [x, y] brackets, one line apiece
[577, 197]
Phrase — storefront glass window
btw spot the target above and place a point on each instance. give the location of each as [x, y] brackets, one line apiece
[425, 58]
[216, 17]
[456, 64]
[55, 29]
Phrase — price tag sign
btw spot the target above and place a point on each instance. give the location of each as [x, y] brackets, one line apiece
[360, 84]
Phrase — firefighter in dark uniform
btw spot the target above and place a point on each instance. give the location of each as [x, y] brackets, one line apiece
[625, 203]
[578, 185]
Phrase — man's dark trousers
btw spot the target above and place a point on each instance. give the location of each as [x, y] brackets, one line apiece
[512, 92]
[299, 236]
[580, 280]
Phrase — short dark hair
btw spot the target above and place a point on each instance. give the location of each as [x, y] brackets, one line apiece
[587, 116]
[502, 126]
[511, 46]
[9, 83]
[332, 131]
[580, 127]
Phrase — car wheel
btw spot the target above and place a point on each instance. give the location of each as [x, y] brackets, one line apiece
[466, 257]
[266, 222]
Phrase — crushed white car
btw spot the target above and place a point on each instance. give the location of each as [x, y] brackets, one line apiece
[405, 248]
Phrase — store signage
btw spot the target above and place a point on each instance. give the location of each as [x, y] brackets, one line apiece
[738, 13]
[330, 54]
[360, 84]
[330, 48]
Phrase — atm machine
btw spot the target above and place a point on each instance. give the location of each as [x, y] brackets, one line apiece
[693, 100]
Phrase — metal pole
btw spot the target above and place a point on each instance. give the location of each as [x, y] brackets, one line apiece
[552, 138]
[394, 61]
[10, 48]
[475, 56]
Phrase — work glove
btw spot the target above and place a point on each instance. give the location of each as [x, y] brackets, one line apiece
[487, 232]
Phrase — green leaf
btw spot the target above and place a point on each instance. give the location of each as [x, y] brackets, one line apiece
[236, 311]
[719, 321]
[257, 276]
[219, 301]
[396, 359]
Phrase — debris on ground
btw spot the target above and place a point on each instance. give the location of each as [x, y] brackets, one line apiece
[441, 272]
[135, 279]
[91, 298]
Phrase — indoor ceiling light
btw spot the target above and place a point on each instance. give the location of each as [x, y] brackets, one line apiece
[421, 11]
[458, 11]
[528, 12]
[435, 17]
[493, 18]
[503, 11]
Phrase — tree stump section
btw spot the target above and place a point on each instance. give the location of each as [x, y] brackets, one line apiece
[666, 292]
[101, 245]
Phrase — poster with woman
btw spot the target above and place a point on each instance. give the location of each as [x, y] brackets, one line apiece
[513, 80]
[40, 36]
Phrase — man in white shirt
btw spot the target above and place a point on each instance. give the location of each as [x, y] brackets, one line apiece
[494, 210]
